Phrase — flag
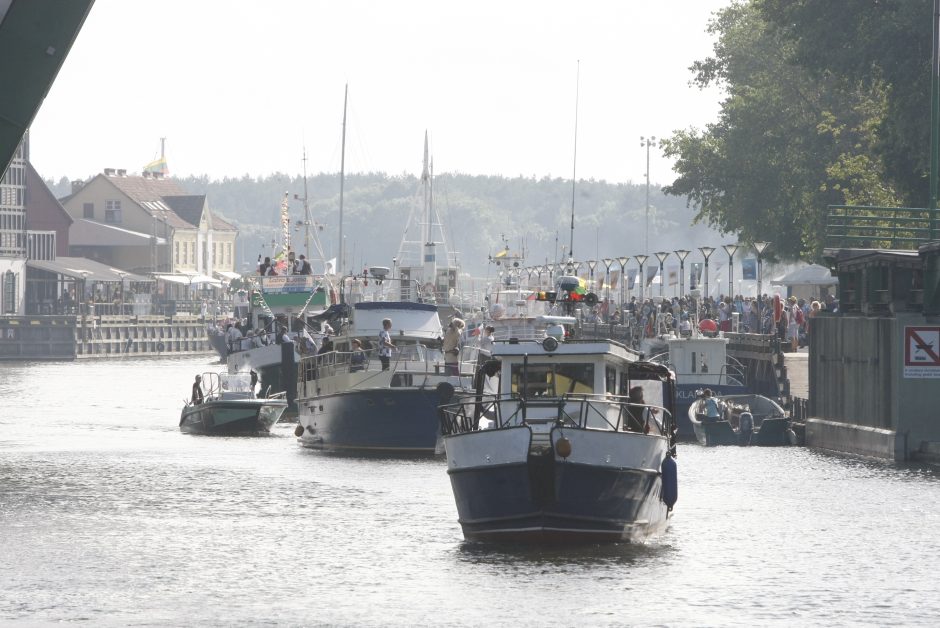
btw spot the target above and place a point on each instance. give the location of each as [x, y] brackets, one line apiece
[330, 267]
[631, 278]
[651, 273]
[695, 277]
[502, 253]
[749, 269]
[673, 275]
[157, 166]
[614, 278]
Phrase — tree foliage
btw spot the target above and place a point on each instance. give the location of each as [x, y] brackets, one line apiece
[826, 104]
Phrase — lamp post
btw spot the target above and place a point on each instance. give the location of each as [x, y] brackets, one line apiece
[623, 259]
[538, 271]
[706, 252]
[551, 274]
[607, 262]
[760, 247]
[682, 254]
[647, 142]
[661, 256]
[641, 259]
[592, 264]
[122, 275]
[730, 249]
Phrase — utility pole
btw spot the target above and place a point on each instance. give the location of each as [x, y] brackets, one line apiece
[647, 142]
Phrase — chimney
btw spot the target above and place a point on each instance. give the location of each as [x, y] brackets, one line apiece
[109, 172]
[77, 184]
[122, 172]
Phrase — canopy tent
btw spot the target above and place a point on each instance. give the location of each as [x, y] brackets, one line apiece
[812, 275]
[83, 268]
[194, 279]
[227, 274]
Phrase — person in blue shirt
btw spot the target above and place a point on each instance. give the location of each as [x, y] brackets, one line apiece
[710, 406]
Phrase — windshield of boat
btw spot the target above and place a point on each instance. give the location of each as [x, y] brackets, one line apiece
[235, 382]
[552, 380]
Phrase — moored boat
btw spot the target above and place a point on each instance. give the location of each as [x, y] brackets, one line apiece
[739, 420]
[230, 407]
[563, 441]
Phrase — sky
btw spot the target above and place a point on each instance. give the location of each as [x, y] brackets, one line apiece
[242, 87]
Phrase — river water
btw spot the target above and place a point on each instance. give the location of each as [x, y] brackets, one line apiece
[110, 516]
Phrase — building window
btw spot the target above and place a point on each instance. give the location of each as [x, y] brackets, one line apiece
[88, 210]
[176, 252]
[215, 248]
[9, 292]
[112, 212]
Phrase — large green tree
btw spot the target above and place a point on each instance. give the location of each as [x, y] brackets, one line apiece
[816, 113]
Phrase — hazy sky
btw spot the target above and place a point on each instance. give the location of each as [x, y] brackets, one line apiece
[240, 87]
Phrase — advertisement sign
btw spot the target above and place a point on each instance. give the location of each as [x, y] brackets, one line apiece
[283, 284]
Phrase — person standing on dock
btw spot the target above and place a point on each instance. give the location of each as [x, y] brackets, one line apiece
[385, 344]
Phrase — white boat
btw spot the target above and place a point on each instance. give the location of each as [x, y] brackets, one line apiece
[551, 448]
[230, 407]
[349, 405]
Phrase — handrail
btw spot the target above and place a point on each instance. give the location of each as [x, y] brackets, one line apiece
[902, 228]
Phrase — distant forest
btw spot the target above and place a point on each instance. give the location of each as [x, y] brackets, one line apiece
[477, 213]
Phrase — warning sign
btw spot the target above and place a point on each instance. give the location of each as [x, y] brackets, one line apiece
[922, 352]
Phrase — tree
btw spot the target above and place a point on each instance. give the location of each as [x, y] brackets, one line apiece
[790, 139]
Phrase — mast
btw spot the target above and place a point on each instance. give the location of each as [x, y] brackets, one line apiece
[306, 210]
[342, 181]
[574, 169]
[430, 260]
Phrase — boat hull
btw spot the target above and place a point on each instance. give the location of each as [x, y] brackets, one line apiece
[609, 489]
[227, 418]
[403, 420]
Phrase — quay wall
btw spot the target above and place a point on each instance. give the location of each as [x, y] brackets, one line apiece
[861, 399]
[78, 337]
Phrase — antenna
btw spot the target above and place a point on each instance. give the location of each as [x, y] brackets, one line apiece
[306, 209]
[574, 168]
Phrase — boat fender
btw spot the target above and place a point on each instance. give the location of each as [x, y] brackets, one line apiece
[563, 447]
[670, 471]
[299, 431]
[445, 392]
[160, 347]
[792, 438]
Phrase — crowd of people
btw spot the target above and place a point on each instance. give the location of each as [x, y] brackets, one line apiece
[788, 317]
[294, 265]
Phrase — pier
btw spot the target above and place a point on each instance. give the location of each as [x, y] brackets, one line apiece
[103, 336]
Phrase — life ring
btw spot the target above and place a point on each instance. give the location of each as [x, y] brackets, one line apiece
[778, 308]
[428, 289]
[160, 347]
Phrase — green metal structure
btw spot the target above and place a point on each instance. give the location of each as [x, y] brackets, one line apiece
[35, 38]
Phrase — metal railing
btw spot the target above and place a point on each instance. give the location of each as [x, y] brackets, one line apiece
[571, 410]
[865, 227]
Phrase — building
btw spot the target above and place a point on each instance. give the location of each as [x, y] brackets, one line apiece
[148, 224]
[13, 232]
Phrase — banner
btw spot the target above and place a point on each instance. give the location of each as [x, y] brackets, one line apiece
[614, 278]
[673, 275]
[631, 278]
[695, 277]
[749, 268]
[651, 273]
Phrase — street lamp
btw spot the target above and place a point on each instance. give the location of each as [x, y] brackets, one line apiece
[641, 259]
[122, 275]
[730, 249]
[661, 256]
[623, 259]
[706, 252]
[607, 262]
[538, 271]
[592, 264]
[760, 247]
[647, 142]
[682, 254]
[551, 274]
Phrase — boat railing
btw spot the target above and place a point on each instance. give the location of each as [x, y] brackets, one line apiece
[582, 411]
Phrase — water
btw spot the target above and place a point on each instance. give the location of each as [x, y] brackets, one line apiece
[110, 516]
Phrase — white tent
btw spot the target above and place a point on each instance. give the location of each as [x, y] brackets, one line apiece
[812, 275]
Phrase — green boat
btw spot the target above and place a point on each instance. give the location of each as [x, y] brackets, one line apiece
[230, 407]
[743, 420]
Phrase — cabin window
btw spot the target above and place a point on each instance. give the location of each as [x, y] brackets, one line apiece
[550, 380]
[88, 210]
[694, 367]
[611, 385]
[112, 212]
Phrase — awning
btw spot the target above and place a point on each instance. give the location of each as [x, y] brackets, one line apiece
[190, 280]
[83, 268]
[812, 275]
[227, 274]
[84, 232]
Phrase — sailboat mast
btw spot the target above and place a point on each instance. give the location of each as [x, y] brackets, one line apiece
[342, 181]
[430, 254]
[306, 210]
[574, 168]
